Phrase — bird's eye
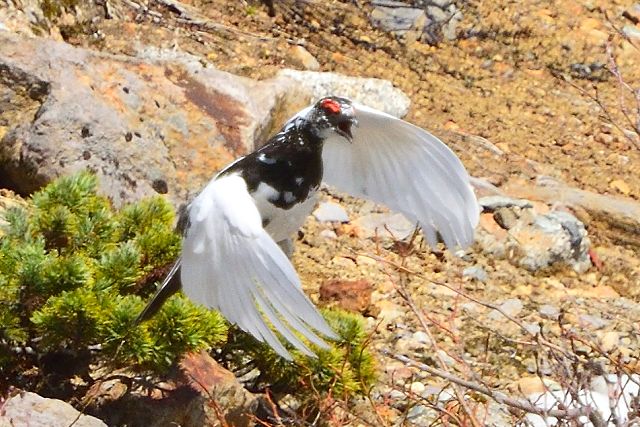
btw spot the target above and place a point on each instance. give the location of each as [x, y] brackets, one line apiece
[330, 106]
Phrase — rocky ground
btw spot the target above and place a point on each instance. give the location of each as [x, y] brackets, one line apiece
[532, 96]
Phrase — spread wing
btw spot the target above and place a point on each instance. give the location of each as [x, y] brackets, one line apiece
[229, 263]
[395, 163]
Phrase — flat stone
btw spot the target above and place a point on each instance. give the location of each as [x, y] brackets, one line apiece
[609, 340]
[330, 212]
[389, 310]
[493, 203]
[537, 242]
[418, 411]
[328, 234]
[380, 224]
[621, 214]
[397, 395]
[448, 360]
[421, 337]
[342, 262]
[450, 27]
[512, 307]
[212, 381]
[417, 387]
[505, 217]
[532, 327]
[549, 311]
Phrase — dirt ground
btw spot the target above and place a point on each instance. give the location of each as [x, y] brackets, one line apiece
[527, 76]
[505, 84]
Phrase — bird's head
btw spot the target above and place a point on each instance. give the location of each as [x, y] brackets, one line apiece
[333, 116]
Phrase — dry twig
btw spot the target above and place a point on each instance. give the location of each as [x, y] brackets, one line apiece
[495, 395]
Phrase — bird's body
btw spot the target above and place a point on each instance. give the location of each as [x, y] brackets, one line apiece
[231, 260]
[283, 178]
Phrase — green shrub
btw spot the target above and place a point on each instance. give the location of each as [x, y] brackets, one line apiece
[73, 273]
[345, 370]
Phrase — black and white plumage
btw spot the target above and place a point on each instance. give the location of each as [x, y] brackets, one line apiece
[231, 260]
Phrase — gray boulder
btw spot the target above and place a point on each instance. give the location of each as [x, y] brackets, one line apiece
[161, 124]
[158, 123]
[30, 409]
[534, 241]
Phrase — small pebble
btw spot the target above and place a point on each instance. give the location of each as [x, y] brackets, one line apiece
[549, 311]
[417, 411]
[397, 395]
[595, 322]
[476, 272]
[610, 340]
[512, 307]
[328, 234]
[331, 212]
[448, 360]
[421, 337]
[532, 327]
[417, 388]
[505, 217]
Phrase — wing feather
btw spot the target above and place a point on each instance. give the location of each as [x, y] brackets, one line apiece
[395, 163]
[231, 264]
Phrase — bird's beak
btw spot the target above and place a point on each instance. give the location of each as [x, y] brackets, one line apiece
[344, 128]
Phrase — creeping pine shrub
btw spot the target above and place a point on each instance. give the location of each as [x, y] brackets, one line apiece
[345, 370]
[73, 272]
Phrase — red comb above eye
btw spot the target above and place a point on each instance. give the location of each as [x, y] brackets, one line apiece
[330, 106]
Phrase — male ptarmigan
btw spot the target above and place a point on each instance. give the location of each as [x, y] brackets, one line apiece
[232, 259]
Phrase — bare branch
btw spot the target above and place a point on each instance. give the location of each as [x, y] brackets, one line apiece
[497, 396]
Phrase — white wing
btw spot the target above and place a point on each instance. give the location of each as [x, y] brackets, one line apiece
[393, 162]
[230, 263]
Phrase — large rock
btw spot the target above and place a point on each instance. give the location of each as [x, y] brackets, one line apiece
[158, 123]
[221, 388]
[513, 229]
[161, 124]
[620, 214]
[376, 93]
[403, 22]
[30, 409]
[444, 17]
[205, 394]
[429, 21]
